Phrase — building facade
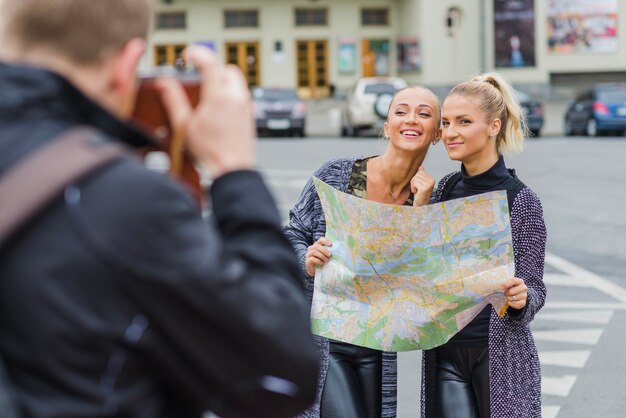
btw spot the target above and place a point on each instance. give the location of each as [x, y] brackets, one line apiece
[547, 47]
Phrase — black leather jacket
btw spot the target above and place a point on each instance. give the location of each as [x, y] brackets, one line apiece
[121, 301]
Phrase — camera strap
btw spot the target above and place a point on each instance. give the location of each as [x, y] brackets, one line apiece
[35, 181]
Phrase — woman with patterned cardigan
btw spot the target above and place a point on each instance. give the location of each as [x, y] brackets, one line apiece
[358, 382]
[490, 368]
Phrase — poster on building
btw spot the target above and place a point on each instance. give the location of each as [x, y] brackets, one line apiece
[346, 63]
[582, 26]
[514, 33]
[409, 57]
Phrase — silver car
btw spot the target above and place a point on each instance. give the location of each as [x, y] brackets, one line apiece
[362, 100]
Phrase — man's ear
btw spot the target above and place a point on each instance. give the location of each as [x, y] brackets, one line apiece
[124, 73]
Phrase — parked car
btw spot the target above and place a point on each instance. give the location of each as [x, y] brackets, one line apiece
[359, 111]
[534, 112]
[278, 109]
[599, 110]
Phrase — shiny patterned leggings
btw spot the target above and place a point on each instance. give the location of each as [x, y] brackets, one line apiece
[353, 384]
[463, 381]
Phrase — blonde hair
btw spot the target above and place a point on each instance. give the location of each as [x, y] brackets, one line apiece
[497, 99]
[81, 31]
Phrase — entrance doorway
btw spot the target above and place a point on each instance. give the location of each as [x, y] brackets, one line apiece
[245, 55]
[312, 68]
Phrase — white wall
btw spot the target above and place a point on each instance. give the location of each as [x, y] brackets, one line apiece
[445, 59]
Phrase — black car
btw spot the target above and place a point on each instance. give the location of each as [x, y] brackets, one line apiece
[599, 110]
[533, 110]
[278, 110]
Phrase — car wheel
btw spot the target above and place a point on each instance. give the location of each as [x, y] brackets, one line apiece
[347, 129]
[591, 128]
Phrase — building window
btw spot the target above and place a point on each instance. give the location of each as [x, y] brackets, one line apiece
[311, 17]
[241, 18]
[375, 17]
[171, 20]
[167, 54]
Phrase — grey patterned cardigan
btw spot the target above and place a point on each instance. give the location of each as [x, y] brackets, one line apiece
[514, 372]
[307, 225]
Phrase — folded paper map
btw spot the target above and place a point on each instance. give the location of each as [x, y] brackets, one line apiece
[408, 278]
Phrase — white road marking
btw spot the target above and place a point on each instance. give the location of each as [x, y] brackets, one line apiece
[598, 313]
[557, 386]
[588, 336]
[563, 280]
[578, 273]
[588, 317]
[585, 305]
[550, 411]
[568, 358]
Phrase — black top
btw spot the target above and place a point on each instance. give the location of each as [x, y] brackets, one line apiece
[496, 178]
[120, 300]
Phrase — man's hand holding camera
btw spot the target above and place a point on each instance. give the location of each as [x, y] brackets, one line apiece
[220, 130]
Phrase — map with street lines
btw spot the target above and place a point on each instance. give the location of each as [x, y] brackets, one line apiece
[407, 278]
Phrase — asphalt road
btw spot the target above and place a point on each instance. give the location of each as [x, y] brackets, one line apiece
[580, 332]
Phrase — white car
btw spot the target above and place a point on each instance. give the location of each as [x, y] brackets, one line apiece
[365, 101]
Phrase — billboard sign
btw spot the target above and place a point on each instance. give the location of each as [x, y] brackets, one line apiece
[514, 33]
[582, 26]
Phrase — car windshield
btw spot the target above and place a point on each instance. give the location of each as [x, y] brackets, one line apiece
[275, 94]
[380, 88]
[612, 96]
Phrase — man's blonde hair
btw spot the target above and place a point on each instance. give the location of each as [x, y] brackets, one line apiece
[81, 31]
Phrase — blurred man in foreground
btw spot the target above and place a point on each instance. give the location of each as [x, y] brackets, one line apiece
[119, 300]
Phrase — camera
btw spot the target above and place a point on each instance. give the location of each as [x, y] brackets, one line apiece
[149, 112]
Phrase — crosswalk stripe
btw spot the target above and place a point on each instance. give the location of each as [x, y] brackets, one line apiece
[585, 305]
[567, 358]
[557, 386]
[606, 286]
[589, 336]
[588, 317]
[550, 411]
[563, 280]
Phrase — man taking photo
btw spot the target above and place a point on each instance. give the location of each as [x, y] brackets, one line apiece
[119, 300]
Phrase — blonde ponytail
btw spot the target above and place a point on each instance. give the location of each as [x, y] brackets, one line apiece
[498, 100]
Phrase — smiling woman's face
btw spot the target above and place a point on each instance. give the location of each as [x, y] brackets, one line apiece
[466, 133]
[413, 119]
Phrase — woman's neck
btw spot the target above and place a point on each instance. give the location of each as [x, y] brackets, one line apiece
[397, 169]
[480, 165]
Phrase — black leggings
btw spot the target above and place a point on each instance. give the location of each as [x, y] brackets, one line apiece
[463, 381]
[353, 384]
